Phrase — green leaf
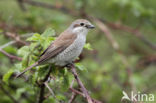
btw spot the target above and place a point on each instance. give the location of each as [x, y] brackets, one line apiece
[60, 97]
[10, 49]
[19, 66]
[42, 71]
[6, 77]
[23, 51]
[50, 99]
[65, 82]
[88, 46]
[80, 66]
[35, 37]
[25, 60]
[34, 78]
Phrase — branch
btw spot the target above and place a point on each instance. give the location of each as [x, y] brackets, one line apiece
[116, 47]
[16, 37]
[51, 91]
[10, 56]
[136, 32]
[73, 96]
[80, 93]
[71, 100]
[84, 90]
[77, 92]
[85, 15]
[7, 44]
[113, 42]
[7, 54]
[42, 86]
[41, 96]
[49, 6]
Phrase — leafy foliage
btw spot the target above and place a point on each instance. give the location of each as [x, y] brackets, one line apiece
[30, 54]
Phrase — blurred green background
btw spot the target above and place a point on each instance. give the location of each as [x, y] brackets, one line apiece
[109, 71]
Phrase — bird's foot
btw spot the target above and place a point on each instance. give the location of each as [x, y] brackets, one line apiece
[69, 65]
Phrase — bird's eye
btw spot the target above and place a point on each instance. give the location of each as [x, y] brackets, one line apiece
[82, 24]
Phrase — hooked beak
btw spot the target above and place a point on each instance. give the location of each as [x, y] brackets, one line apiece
[90, 26]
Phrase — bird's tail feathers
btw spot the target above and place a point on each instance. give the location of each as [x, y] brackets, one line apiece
[28, 68]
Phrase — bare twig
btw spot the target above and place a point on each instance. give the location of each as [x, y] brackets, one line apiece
[84, 90]
[80, 93]
[7, 44]
[51, 91]
[77, 92]
[10, 56]
[73, 96]
[71, 100]
[72, 83]
[16, 37]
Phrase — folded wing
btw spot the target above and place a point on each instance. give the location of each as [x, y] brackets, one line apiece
[59, 45]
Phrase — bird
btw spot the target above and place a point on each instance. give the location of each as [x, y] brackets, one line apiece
[66, 47]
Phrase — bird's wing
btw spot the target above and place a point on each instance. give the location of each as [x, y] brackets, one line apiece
[60, 44]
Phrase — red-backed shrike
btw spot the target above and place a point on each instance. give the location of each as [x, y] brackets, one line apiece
[67, 47]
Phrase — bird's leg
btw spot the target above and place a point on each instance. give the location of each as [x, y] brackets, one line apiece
[69, 65]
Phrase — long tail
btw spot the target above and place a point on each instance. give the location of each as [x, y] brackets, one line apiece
[28, 68]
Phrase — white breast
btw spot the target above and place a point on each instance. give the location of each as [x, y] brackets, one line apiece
[70, 53]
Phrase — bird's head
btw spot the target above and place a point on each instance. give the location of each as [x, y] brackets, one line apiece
[81, 26]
